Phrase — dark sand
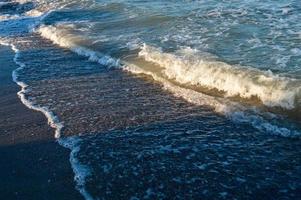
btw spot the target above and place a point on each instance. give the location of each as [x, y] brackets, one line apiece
[32, 164]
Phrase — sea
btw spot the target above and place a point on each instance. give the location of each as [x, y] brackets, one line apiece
[166, 99]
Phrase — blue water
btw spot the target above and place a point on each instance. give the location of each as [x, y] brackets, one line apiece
[166, 99]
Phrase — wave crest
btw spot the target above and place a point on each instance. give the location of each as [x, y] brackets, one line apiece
[62, 36]
[187, 67]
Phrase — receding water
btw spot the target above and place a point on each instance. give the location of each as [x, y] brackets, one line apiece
[166, 99]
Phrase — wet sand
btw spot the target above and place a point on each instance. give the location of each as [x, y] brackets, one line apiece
[32, 164]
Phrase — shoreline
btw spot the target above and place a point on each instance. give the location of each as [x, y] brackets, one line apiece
[33, 165]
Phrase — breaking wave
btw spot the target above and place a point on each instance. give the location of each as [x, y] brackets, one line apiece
[62, 37]
[232, 110]
[185, 67]
[190, 67]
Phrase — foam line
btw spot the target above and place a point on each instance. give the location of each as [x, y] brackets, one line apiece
[80, 171]
[61, 36]
[53, 121]
[188, 67]
[232, 110]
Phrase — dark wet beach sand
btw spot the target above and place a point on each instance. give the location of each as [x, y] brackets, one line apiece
[32, 164]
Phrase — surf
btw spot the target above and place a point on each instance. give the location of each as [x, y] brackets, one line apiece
[234, 91]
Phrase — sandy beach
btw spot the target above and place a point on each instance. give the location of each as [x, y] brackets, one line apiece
[32, 164]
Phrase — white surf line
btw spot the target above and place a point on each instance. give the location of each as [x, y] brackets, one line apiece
[52, 119]
[53, 34]
[231, 110]
[80, 171]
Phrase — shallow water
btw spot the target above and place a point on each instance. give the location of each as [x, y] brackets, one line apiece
[166, 99]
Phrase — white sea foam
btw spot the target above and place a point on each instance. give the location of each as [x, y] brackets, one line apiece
[42, 6]
[61, 35]
[234, 111]
[72, 143]
[52, 119]
[188, 68]
[184, 69]
[81, 171]
[8, 17]
[30, 13]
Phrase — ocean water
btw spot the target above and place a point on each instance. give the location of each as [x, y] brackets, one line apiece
[166, 99]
